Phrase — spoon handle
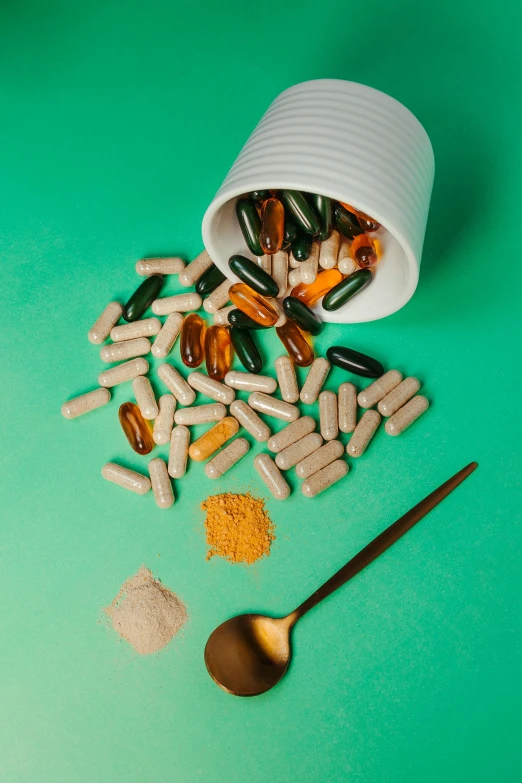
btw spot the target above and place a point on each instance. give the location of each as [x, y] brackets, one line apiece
[382, 542]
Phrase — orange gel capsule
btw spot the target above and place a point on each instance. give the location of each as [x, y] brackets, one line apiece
[253, 304]
[272, 226]
[213, 439]
[192, 340]
[295, 343]
[363, 251]
[310, 294]
[137, 429]
[218, 352]
[367, 222]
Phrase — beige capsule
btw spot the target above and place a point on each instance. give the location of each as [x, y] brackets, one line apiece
[271, 476]
[294, 277]
[221, 316]
[200, 414]
[293, 263]
[211, 388]
[250, 420]
[282, 319]
[310, 266]
[218, 298]
[213, 439]
[147, 327]
[226, 458]
[86, 403]
[328, 415]
[347, 407]
[101, 328]
[160, 266]
[324, 478]
[379, 388]
[363, 433]
[280, 270]
[319, 459]
[398, 397]
[288, 435]
[405, 416]
[161, 484]
[265, 262]
[178, 455]
[128, 349]
[272, 407]
[329, 251]
[246, 381]
[179, 303]
[123, 372]
[195, 269]
[145, 398]
[165, 340]
[315, 379]
[297, 451]
[164, 421]
[176, 384]
[345, 263]
[128, 479]
[285, 370]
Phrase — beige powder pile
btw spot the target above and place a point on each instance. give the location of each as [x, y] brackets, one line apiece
[146, 613]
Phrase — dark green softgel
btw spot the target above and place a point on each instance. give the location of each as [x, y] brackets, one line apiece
[143, 297]
[246, 349]
[250, 224]
[302, 315]
[323, 208]
[259, 196]
[347, 289]
[302, 246]
[252, 274]
[299, 209]
[243, 321]
[346, 222]
[210, 281]
[290, 231]
[355, 362]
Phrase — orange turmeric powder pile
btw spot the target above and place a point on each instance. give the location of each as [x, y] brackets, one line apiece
[237, 528]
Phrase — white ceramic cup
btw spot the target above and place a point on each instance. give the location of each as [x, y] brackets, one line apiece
[355, 144]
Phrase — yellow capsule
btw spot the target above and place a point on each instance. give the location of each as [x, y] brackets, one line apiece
[364, 251]
[218, 352]
[137, 430]
[192, 340]
[296, 344]
[253, 304]
[213, 439]
[310, 294]
[272, 226]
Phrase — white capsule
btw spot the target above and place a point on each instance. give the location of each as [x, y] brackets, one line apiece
[363, 433]
[218, 298]
[345, 263]
[310, 266]
[294, 278]
[280, 270]
[347, 397]
[226, 458]
[85, 403]
[293, 263]
[271, 476]
[180, 303]
[211, 388]
[123, 372]
[324, 478]
[285, 370]
[272, 407]
[221, 316]
[147, 327]
[265, 262]
[128, 479]
[160, 266]
[165, 340]
[101, 329]
[315, 380]
[200, 414]
[128, 349]
[297, 451]
[161, 485]
[298, 429]
[398, 397]
[379, 388]
[250, 420]
[319, 459]
[178, 455]
[282, 319]
[405, 416]
[329, 251]
[176, 384]
[195, 269]
[145, 397]
[246, 381]
[164, 421]
[328, 416]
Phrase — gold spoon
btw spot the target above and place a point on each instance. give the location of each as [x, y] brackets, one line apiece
[249, 654]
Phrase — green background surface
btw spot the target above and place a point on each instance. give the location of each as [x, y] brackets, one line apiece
[119, 122]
